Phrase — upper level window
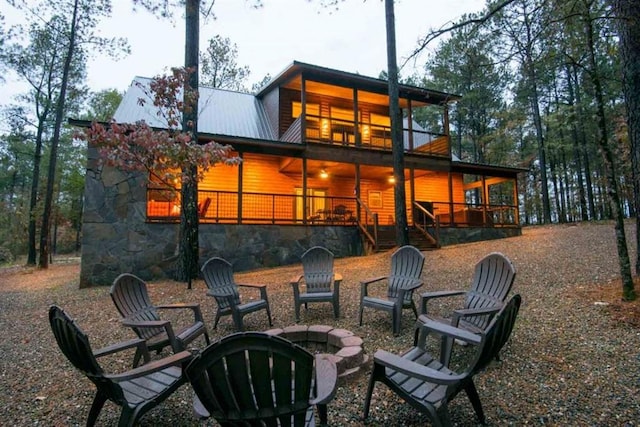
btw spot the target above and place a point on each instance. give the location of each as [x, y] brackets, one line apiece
[312, 109]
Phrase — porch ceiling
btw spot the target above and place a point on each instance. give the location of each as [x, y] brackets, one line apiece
[337, 169]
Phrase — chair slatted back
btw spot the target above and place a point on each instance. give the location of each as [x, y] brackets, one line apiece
[218, 276]
[407, 263]
[251, 378]
[492, 280]
[497, 334]
[130, 296]
[74, 344]
[317, 265]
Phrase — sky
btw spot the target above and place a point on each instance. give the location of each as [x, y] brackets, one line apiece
[352, 38]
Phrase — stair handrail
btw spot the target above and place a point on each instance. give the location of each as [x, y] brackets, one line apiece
[363, 224]
[423, 225]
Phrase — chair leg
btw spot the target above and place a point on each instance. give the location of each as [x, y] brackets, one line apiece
[446, 348]
[96, 407]
[297, 310]
[336, 309]
[215, 323]
[472, 393]
[269, 315]
[322, 414]
[360, 315]
[128, 416]
[377, 370]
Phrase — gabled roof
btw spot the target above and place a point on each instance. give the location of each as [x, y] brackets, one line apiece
[220, 112]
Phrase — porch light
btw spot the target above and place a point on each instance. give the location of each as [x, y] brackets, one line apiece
[324, 174]
[391, 179]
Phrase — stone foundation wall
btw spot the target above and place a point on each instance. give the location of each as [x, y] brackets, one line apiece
[117, 239]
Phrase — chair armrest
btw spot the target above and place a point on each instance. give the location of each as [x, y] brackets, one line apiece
[471, 312]
[326, 380]
[151, 367]
[425, 297]
[413, 369]
[337, 277]
[375, 279]
[364, 285]
[261, 287]
[448, 330]
[195, 307]
[165, 324]
[251, 285]
[124, 345]
[145, 323]
[296, 279]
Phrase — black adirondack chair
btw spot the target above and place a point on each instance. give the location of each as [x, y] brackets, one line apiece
[252, 378]
[130, 296]
[320, 283]
[406, 267]
[218, 276]
[136, 391]
[492, 280]
[428, 385]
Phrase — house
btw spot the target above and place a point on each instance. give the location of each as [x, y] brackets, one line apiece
[316, 169]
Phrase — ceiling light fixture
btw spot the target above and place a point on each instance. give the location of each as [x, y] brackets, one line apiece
[324, 174]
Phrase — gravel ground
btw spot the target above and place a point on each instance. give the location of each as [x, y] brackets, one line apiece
[573, 359]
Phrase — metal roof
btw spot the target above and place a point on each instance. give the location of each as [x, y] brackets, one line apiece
[220, 112]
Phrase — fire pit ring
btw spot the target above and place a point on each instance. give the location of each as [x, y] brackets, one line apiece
[340, 345]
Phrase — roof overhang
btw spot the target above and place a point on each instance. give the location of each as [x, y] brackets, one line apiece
[485, 169]
[357, 81]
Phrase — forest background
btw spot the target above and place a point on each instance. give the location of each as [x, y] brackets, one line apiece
[541, 82]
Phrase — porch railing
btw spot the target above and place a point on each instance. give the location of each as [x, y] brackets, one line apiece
[424, 220]
[226, 207]
[368, 223]
[343, 132]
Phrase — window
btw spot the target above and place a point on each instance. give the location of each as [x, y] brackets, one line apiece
[312, 109]
[315, 202]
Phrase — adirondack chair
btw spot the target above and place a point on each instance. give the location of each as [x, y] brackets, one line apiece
[136, 391]
[320, 282]
[218, 276]
[492, 280]
[428, 385]
[253, 378]
[130, 296]
[406, 267]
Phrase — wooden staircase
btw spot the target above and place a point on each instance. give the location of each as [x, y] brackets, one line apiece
[387, 239]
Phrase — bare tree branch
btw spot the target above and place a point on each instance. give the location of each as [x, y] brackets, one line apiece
[422, 44]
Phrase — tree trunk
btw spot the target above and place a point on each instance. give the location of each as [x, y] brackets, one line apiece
[35, 180]
[189, 247]
[55, 141]
[397, 143]
[628, 14]
[628, 292]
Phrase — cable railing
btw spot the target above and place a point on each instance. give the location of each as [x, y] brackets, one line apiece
[230, 207]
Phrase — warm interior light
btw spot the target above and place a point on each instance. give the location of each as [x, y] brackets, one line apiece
[324, 174]
[392, 179]
[324, 129]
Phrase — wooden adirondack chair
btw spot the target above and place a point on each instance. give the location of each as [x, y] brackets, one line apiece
[492, 280]
[136, 391]
[218, 276]
[428, 385]
[130, 296]
[252, 378]
[320, 282]
[406, 267]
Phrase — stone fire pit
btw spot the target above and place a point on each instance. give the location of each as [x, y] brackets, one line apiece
[341, 345]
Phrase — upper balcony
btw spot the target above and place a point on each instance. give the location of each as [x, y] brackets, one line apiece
[319, 105]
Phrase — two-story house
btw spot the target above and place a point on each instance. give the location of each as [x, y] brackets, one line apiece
[317, 169]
